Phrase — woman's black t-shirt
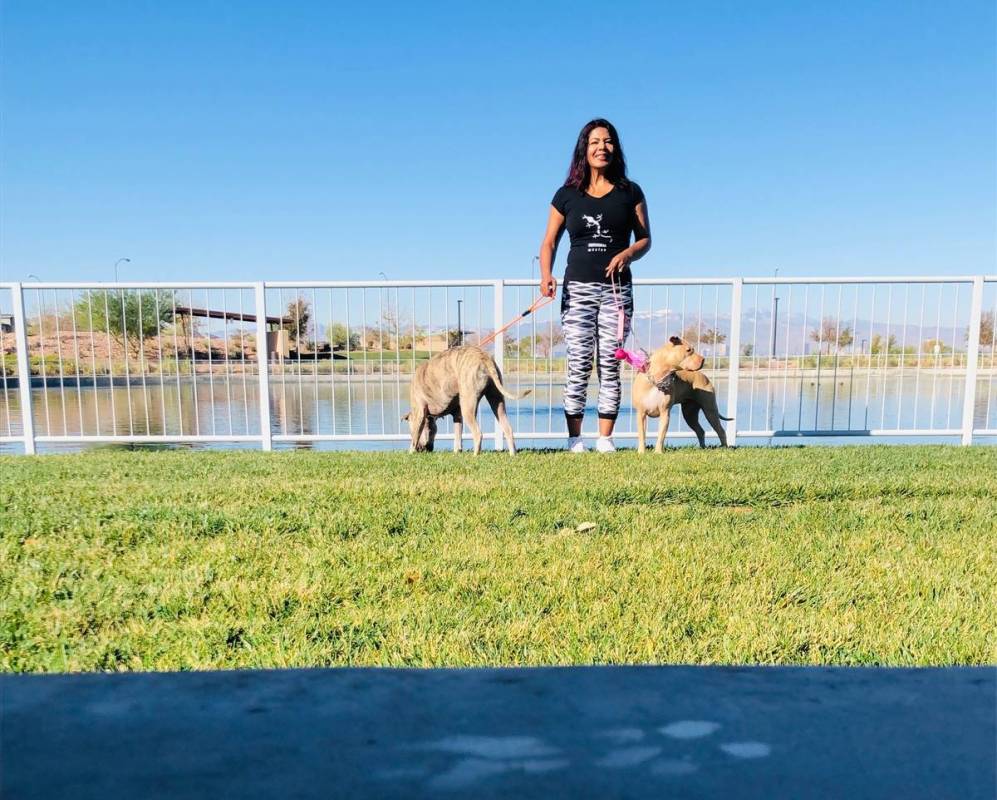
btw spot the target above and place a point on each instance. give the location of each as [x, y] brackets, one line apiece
[599, 228]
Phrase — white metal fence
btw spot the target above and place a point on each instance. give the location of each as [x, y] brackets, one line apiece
[298, 362]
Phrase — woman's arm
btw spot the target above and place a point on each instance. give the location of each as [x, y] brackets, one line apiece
[639, 248]
[555, 227]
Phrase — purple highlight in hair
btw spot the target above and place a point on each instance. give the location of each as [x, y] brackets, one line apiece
[578, 172]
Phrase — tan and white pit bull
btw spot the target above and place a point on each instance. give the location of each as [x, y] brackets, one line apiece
[674, 376]
[453, 382]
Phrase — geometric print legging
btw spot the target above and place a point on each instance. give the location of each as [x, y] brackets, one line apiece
[589, 323]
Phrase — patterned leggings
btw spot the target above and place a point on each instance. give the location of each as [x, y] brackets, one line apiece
[589, 323]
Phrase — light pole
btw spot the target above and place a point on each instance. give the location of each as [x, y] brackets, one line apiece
[775, 328]
[460, 326]
[126, 260]
[775, 315]
[380, 291]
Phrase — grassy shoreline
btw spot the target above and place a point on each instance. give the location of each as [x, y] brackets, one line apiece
[204, 560]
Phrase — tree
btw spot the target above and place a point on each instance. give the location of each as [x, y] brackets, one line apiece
[691, 333]
[128, 316]
[830, 333]
[409, 335]
[548, 340]
[930, 345]
[845, 337]
[878, 347]
[541, 345]
[339, 337]
[397, 324]
[710, 336]
[987, 329]
[376, 338]
[695, 334]
[299, 313]
[748, 350]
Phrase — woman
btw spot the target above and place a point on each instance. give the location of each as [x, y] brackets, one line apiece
[601, 208]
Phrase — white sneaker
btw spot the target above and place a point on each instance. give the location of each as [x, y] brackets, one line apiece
[576, 444]
[605, 445]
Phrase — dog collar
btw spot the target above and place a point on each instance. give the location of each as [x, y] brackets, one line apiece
[664, 383]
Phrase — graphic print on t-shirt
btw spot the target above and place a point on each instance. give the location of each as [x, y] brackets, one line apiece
[595, 222]
[599, 227]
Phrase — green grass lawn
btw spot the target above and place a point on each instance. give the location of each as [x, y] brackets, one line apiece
[197, 560]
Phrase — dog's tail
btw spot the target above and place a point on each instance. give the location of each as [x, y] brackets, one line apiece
[725, 419]
[493, 373]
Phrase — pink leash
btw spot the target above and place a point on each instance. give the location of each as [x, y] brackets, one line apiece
[539, 303]
[638, 359]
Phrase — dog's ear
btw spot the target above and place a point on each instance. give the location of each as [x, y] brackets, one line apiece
[675, 340]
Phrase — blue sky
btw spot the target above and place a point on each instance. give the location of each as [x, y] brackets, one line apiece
[246, 141]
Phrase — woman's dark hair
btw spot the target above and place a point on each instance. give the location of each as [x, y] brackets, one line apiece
[578, 172]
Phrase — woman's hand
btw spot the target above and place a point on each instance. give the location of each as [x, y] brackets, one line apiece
[548, 286]
[619, 262]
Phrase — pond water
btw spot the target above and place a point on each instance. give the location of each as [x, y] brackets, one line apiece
[849, 402]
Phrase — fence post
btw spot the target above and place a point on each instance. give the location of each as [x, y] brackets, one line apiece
[972, 358]
[263, 365]
[23, 369]
[499, 313]
[734, 364]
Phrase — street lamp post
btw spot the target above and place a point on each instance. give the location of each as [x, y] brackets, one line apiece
[775, 325]
[460, 326]
[775, 316]
[380, 339]
[775, 328]
[126, 260]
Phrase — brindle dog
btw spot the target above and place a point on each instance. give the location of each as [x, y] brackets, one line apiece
[453, 382]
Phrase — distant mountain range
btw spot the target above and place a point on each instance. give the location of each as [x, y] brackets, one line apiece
[652, 328]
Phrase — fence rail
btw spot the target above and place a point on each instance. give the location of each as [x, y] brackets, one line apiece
[286, 362]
